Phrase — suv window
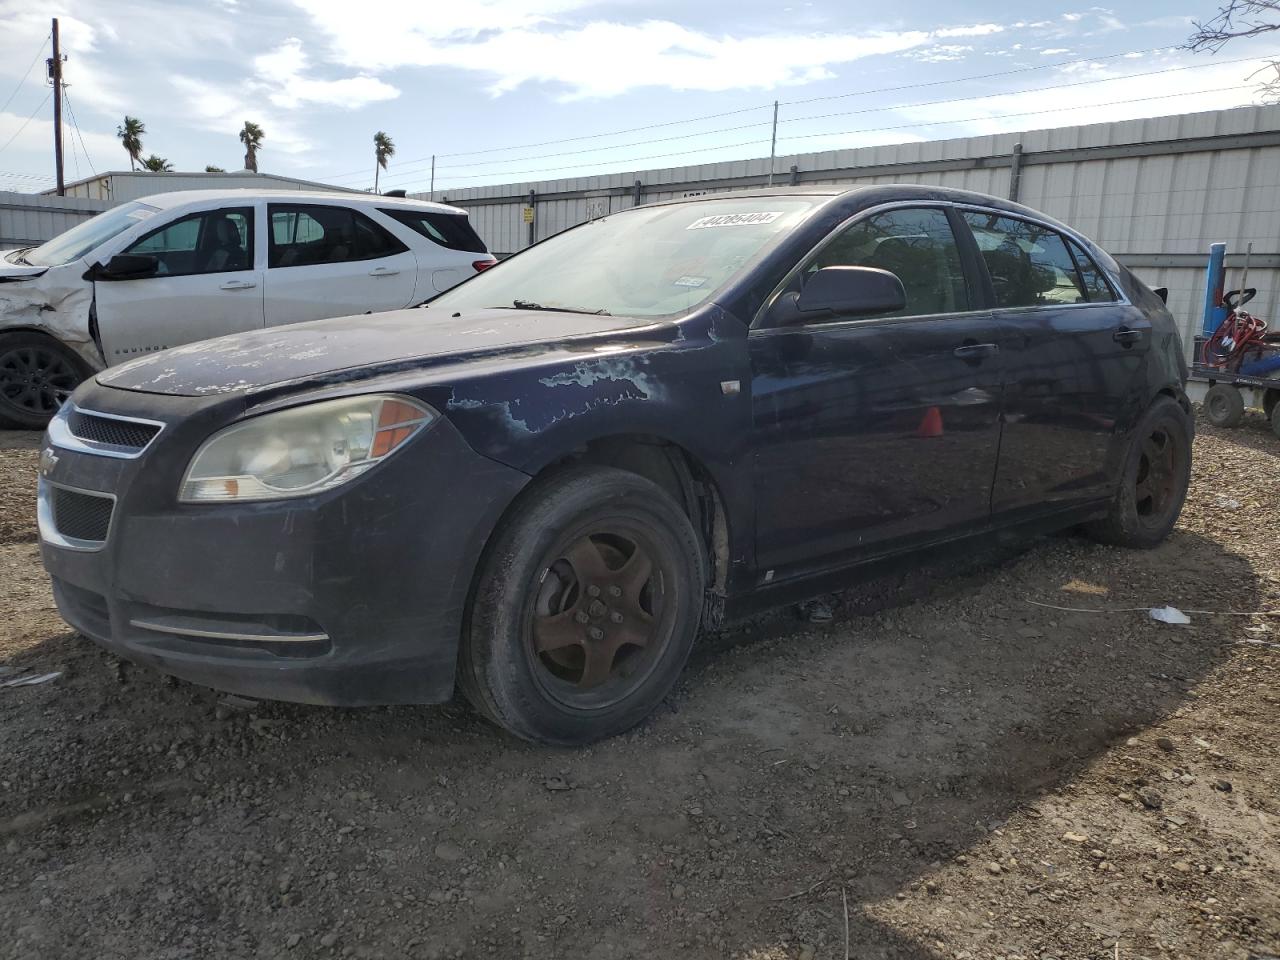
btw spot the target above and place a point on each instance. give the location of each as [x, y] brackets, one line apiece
[216, 241]
[917, 245]
[303, 235]
[1029, 264]
[1095, 282]
[452, 230]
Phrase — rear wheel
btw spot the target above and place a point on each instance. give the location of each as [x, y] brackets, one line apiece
[1224, 405]
[1269, 400]
[1154, 483]
[37, 374]
[586, 608]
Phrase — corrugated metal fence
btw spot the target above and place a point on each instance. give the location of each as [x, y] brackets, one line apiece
[1154, 192]
[28, 218]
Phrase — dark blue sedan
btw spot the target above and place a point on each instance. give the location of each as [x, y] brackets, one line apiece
[538, 486]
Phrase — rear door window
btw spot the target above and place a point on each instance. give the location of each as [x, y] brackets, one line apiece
[304, 235]
[1096, 286]
[451, 230]
[1029, 263]
[216, 241]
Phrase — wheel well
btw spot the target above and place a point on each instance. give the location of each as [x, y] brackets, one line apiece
[1180, 397]
[682, 476]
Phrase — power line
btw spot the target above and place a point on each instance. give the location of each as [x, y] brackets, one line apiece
[26, 75]
[840, 133]
[901, 106]
[27, 121]
[79, 135]
[982, 76]
[763, 106]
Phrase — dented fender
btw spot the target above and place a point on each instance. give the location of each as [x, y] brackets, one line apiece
[57, 302]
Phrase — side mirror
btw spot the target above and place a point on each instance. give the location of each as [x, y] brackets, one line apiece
[850, 292]
[125, 266]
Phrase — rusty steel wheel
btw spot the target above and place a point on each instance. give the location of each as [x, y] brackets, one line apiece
[586, 607]
[597, 624]
[1154, 484]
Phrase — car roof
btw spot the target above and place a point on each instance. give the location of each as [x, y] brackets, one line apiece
[866, 195]
[179, 198]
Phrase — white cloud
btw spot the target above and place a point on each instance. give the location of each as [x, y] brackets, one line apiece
[514, 42]
[280, 74]
[1054, 51]
[940, 53]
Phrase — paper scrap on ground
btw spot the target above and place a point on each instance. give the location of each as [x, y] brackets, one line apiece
[1169, 615]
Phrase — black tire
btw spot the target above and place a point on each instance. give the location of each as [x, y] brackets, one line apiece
[1269, 400]
[37, 373]
[1154, 482]
[567, 651]
[1224, 405]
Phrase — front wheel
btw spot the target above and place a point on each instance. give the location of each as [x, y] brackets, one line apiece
[1154, 483]
[586, 608]
[37, 374]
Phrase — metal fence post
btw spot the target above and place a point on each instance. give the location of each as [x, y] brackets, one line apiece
[1015, 172]
[795, 174]
[533, 197]
[635, 193]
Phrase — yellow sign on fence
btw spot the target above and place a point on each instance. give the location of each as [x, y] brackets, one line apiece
[528, 214]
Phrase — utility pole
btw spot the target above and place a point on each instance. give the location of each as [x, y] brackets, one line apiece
[432, 194]
[55, 76]
[773, 143]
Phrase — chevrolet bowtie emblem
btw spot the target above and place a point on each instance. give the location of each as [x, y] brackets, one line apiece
[48, 460]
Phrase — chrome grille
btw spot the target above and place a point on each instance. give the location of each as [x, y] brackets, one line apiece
[81, 516]
[132, 434]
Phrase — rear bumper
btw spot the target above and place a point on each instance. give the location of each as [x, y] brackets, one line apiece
[354, 597]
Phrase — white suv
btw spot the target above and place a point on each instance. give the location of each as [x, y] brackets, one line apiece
[178, 267]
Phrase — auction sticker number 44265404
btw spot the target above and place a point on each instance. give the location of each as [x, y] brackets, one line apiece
[733, 220]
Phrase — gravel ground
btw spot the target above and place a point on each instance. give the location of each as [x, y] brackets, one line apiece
[959, 772]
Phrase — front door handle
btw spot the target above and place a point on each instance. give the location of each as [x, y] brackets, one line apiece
[1127, 336]
[977, 351]
[383, 272]
[238, 285]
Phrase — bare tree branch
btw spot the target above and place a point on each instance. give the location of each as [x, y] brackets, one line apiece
[1235, 20]
[1238, 18]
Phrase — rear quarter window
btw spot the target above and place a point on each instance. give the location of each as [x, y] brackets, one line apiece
[450, 230]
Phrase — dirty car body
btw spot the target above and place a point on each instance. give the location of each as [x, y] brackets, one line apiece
[179, 267]
[786, 448]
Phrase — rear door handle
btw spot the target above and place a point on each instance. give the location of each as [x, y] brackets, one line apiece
[977, 351]
[383, 272]
[238, 285]
[1126, 336]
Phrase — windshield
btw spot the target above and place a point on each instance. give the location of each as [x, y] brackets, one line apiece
[646, 262]
[83, 237]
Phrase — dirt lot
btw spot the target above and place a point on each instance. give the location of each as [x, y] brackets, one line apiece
[973, 775]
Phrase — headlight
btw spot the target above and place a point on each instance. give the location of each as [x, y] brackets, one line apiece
[303, 450]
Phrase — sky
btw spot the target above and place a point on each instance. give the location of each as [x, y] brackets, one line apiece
[508, 91]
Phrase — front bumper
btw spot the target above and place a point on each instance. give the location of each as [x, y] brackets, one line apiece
[352, 597]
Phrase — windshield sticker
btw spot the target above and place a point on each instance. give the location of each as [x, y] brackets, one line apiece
[141, 214]
[733, 220]
[691, 281]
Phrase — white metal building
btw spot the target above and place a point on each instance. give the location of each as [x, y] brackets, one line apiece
[118, 186]
[1154, 192]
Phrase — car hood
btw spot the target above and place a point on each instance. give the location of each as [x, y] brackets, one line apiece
[351, 348]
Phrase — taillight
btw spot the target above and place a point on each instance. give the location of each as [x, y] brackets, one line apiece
[482, 265]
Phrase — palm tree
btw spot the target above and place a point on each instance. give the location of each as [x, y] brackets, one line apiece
[212, 169]
[383, 150]
[251, 136]
[130, 133]
[157, 164]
